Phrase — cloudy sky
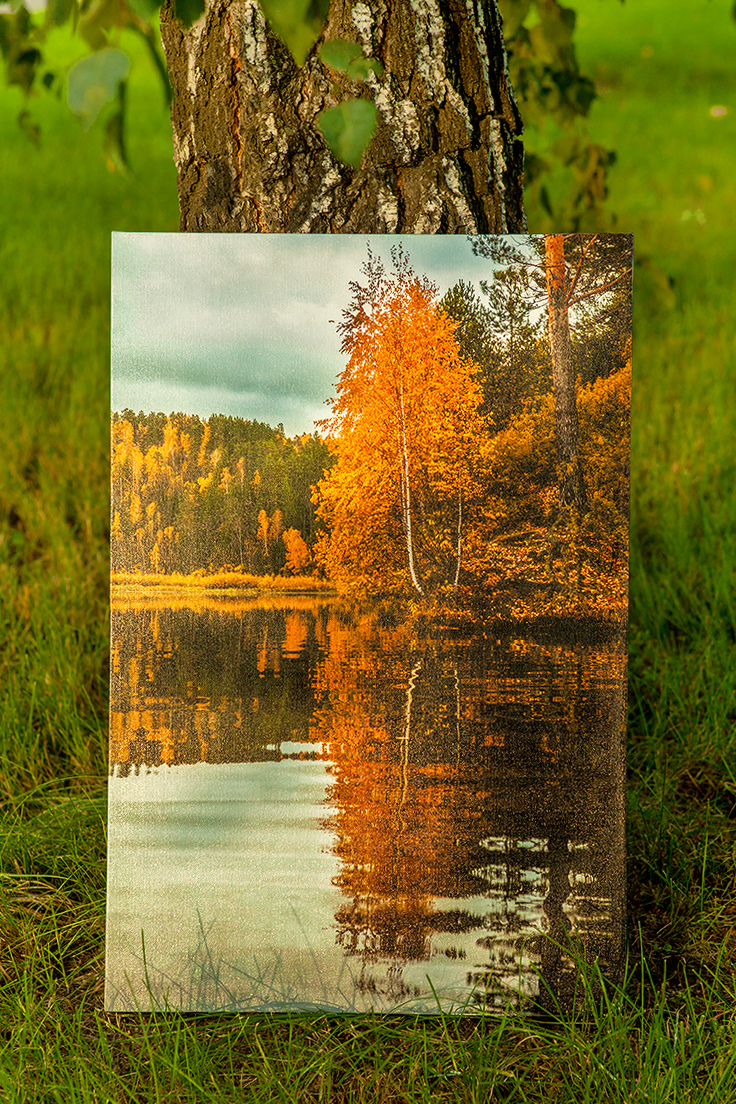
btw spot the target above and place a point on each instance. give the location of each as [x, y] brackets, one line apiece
[245, 324]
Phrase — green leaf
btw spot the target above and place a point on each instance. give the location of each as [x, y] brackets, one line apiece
[94, 81]
[338, 54]
[16, 25]
[115, 141]
[298, 22]
[347, 57]
[348, 128]
[147, 9]
[362, 66]
[513, 14]
[552, 38]
[59, 11]
[18, 40]
[97, 19]
[22, 69]
[187, 11]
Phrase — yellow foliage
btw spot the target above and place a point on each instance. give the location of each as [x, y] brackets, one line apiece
[220, 579]
[297, 551]
[225, 480]
[136, 513]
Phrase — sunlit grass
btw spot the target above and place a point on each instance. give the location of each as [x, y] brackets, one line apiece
[59, 203]
[674, 185]
[221, 580]
[668, 1033]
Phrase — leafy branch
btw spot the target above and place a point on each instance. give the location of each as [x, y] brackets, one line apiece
[96, 85]
[348, 127]
[554, 97]
[565, 172]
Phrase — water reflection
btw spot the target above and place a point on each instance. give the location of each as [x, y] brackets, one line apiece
[468, 795]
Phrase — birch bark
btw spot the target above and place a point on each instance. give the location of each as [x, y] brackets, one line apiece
[446, 157]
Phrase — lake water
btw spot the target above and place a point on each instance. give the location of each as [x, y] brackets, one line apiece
[312, 811]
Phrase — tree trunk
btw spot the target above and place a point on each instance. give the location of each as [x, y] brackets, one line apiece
[406, 491]
[446, 155]
[459, 540]
[572, 482]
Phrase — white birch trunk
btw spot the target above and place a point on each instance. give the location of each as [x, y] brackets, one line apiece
[407, 491]
[459, 539]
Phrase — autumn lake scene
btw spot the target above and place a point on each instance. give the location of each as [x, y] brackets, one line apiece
[368, 621]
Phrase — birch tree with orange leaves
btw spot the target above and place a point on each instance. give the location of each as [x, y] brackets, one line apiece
[405, 429]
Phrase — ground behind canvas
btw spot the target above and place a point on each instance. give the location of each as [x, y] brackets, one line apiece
[680, 826]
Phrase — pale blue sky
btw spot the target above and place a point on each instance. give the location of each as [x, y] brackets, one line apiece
[245, 324]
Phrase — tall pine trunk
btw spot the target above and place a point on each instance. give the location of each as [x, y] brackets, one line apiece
[446, 156]
[572, 482]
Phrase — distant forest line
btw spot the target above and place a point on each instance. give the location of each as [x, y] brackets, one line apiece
[209, 494]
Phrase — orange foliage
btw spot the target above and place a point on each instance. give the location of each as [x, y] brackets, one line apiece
[405, 430]
[297, 551]
[547, 559]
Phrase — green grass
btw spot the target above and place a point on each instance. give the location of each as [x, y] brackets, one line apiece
[669, 1033]
[658, 78]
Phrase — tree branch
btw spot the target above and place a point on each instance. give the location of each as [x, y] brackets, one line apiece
[583, 255]
[598, 290]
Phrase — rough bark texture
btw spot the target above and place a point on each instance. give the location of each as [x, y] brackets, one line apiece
[572, 483]
[446, 156]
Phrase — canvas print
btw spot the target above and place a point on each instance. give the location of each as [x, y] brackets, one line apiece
[368, 620]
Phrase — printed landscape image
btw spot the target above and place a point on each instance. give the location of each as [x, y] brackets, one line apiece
[369, 610]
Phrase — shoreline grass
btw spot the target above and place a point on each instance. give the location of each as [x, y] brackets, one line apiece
[223, 582]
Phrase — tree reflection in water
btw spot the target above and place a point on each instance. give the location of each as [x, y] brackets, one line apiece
[476, 795]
